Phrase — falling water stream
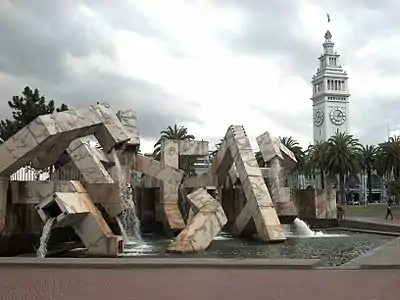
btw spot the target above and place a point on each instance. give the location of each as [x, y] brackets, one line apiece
[44, 239]
[128, 219]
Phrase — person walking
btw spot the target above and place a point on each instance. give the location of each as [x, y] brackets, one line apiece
[389, 210]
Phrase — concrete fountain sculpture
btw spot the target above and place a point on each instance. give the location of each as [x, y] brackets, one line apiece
[103, 196]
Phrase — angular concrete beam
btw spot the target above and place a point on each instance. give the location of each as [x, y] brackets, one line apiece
[88, 163]
[128, 119]
[259, 205]
[93, 172]
[266, 172]
[202, 180]
[112, 133]
[271, 147]
[193, 148]
[222, 162]
[33, 192]
[77, 210]
[203, 227]
[169, 194]
[44, 140]
[158, 170]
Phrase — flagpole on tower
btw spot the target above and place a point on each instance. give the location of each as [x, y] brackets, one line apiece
[329, 20]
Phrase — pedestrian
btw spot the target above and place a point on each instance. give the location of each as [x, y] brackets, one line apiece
[389, 210]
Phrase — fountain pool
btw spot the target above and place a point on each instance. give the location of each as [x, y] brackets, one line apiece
[339, 248]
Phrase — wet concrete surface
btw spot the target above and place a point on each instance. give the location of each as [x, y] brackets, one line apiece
[196, 284]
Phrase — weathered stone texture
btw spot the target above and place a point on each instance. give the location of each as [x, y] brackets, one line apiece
[203, 227]
[77, 210]
[236, 149]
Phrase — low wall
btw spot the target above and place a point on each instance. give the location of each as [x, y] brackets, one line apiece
[368, 225]
[315, 204]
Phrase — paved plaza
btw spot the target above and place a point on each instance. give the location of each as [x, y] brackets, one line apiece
[196, 284]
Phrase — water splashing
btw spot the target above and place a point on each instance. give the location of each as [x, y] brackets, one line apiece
[44, 239]
[128, 218]
[275, 182]
[302, 229]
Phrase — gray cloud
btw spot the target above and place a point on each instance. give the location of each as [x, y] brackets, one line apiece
[272, 28]
[36, 37]
[291, 121]
[376, 116]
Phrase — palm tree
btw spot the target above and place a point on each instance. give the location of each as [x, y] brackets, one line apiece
[368, 154]
[343, 158]
[316, 160]
[297, 150]
[186, 163]
[388, 158]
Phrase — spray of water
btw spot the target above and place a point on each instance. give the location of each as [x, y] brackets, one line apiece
[128, 218]
[44, 239]
[275, 179]
[301, 228]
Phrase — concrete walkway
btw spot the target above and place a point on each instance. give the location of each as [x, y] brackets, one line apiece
[383, 257]
[386, 256]
[198, 284]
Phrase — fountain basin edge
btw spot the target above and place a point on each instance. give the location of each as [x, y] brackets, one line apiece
[144, 263]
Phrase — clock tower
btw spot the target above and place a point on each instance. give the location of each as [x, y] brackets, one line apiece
[330, 94]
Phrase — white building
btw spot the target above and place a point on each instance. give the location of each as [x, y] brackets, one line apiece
[330, 101]
[330, 94]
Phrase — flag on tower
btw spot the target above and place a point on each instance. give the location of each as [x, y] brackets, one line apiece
[329, 18]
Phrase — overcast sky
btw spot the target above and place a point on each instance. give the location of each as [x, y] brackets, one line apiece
[204, 64]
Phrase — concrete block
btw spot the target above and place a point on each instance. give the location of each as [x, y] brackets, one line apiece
[202, 180]
[77, 210]
[112, 133]
[44, 140]
[237, 137]
[255, 189]
[244, 217]
[114, 245]
[93, 172]
[173, 216]
[4, 185]
[258, 199]
[102, 157]
[246, 164]
[67, 208]
[158, 170]
[104, 193]
[33, 192]
[193, 148]
[266, 172]
[170, 153]
[271, 147]
[222, 163]
[128, 119]
[169, 194]
[271, 231]
[203, 227]
[88, 163]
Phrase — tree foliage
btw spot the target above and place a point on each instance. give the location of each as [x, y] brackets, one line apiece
[25, 109]
[175, 132]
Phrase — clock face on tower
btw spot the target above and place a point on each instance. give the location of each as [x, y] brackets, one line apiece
[338, 116]
[318, 117]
